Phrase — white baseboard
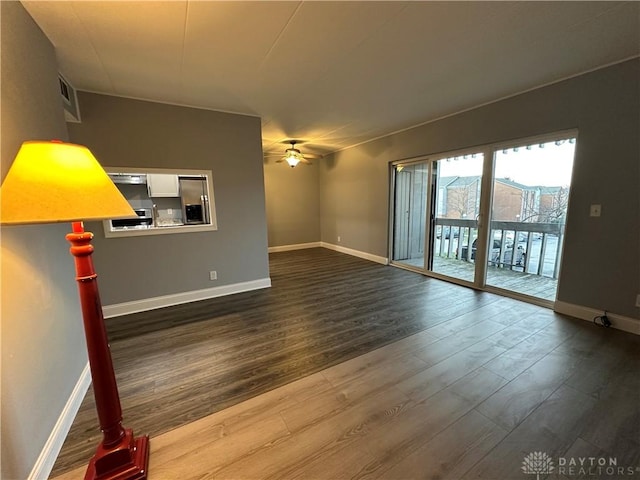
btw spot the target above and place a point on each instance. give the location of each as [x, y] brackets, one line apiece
[356, 253]
[47, 458]
[145, 304]
[628, 324]
[294, 246]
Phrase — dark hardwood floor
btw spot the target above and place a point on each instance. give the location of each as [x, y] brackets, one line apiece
[483, 367]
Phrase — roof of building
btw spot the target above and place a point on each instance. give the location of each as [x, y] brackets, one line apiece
[455, 181]
[458, 181]
[511, 183]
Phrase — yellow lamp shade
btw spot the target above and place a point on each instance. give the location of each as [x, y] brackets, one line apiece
[58, 182]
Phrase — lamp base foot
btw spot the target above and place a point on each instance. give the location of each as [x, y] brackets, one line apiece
[128, 460]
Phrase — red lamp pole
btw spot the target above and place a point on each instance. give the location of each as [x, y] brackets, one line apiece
[119, 456]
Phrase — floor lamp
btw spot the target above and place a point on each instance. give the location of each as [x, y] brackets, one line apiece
[60, 182]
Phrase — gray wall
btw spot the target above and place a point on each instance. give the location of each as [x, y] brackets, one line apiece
[132, 133]
[354, 198]
[293, 203]
[601, 263]
[43, 349]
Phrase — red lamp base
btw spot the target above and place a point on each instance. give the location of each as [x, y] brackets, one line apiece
[127, 460]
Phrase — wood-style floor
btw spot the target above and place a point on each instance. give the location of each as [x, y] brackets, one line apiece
[383, 373]
[511, 280]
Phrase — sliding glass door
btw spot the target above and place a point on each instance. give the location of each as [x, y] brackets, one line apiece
[454, 215]
[436, 204]
[531, 185]
[492, 218]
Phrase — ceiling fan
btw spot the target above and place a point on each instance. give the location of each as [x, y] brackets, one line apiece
[293, 156]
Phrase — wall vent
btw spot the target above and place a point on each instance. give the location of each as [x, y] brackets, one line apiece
[69, 100]
[64, 90]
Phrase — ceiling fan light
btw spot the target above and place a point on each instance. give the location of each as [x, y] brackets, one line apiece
[292, 159]
[292, 155]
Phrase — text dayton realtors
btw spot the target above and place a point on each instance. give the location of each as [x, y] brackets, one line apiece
[593, 466]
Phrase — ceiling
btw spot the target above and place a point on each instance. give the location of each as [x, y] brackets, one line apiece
[333, 74]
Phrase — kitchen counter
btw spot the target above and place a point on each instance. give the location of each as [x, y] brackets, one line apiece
[142, 230]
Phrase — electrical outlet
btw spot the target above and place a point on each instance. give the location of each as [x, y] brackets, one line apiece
[595, 210]
[213, 275]
[338, 238]
[638, 300]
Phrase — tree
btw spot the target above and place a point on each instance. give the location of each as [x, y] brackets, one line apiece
[547, 208]
[555, 210]
[462, 201]
[530, 206]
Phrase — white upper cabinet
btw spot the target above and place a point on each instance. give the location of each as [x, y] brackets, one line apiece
[163, 185]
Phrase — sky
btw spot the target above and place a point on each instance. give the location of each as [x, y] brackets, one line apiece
[549, 166]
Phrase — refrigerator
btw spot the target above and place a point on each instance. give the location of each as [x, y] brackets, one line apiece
[195, 200]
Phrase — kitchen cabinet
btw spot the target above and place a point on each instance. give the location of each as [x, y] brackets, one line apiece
[163, 185]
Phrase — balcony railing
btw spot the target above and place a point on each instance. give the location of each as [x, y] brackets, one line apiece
[537, 245]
